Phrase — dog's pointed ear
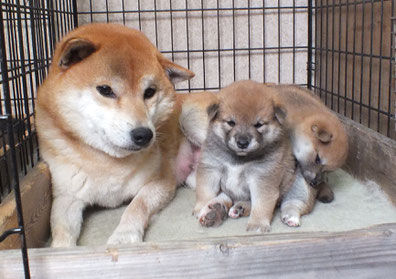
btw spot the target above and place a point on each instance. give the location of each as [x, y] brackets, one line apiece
[280, 113]
[212, 111]
[74, 51]
[175, 72]
[322, 135]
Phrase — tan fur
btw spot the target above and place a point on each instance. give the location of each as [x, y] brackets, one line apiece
[194, 117]
[308, 116]
[85, 171]
[227, 173]
[316, 132]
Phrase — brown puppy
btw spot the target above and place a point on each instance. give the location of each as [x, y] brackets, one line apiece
[320, 145]
[107, 120]
[246, 156]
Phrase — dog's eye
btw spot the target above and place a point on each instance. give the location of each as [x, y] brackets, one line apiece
[149, 92]
[105, 91]
[260, 124]
[317, 159]
[231, 123]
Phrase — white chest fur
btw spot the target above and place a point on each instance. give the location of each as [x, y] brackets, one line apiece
[233, 181]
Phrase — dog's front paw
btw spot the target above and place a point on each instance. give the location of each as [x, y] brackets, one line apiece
[64, 243]
[196, 211]
[292, 220]
[213, 215]
[236, 211]
[125, 237]
[63, 238]
[262, 226]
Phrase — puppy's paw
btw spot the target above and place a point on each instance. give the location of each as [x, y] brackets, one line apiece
[196, 211]
[236, 211]
[124, 237]
[291, 220]
[259, 227]
[213, 215]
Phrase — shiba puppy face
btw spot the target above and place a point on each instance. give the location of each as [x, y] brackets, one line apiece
[245, 119]
[116, 86]
[319, 147]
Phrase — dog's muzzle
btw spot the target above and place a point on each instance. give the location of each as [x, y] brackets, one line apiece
[242, 141]
[141, 136]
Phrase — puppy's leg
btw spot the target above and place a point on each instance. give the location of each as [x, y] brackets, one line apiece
[264, 198]
[240, 209]
[208, 186]
[325, 193]
[191, 181]
[149, 200]
[215, 211]
[299, 200]
[66, 219]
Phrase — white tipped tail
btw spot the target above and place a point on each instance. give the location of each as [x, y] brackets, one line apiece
[194, 120]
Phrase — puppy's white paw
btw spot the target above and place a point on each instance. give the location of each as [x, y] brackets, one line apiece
[259, 227]
[212, 215]
[291, 220]
[125, 237]
[236, 211]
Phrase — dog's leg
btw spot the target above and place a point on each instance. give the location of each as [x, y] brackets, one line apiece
[264, 198]
[208, 186]
[149, 200]
[215, 211]
[325, 193]
[66, 219]
[298, 201]
[240, 209]
[191, 181]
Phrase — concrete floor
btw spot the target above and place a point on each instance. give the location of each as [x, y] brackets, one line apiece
[356, 205]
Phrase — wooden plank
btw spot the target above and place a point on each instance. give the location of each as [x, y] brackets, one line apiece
[371, 157]
[366, 253]
[36, 205]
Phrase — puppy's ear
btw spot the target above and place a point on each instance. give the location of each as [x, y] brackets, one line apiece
[322, 135]
[74, 51]
[280, 113]
[212, 111]
[175, 72]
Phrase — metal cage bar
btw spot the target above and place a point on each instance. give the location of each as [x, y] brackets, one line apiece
[29, 31]
[352, 66]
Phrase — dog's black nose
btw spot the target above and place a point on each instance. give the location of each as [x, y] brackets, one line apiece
[242, 142]
[314, 183]
[141, 136]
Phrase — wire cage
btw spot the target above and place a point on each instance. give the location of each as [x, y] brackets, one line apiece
[343, 49]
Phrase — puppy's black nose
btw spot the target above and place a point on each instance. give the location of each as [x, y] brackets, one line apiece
[314, 183]
[141, 136]
[242, 142]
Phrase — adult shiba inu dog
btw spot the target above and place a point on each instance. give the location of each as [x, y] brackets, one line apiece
[320, 145]
[246, 157]
[107, 120]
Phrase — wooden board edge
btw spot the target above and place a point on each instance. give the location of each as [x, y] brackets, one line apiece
[36, 204]
[371, 156]
[369, 251]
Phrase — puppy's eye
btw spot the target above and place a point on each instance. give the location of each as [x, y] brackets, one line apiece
[259, 125]
[149, 92]
[317, 160]
[105, 91]
[231, 123]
